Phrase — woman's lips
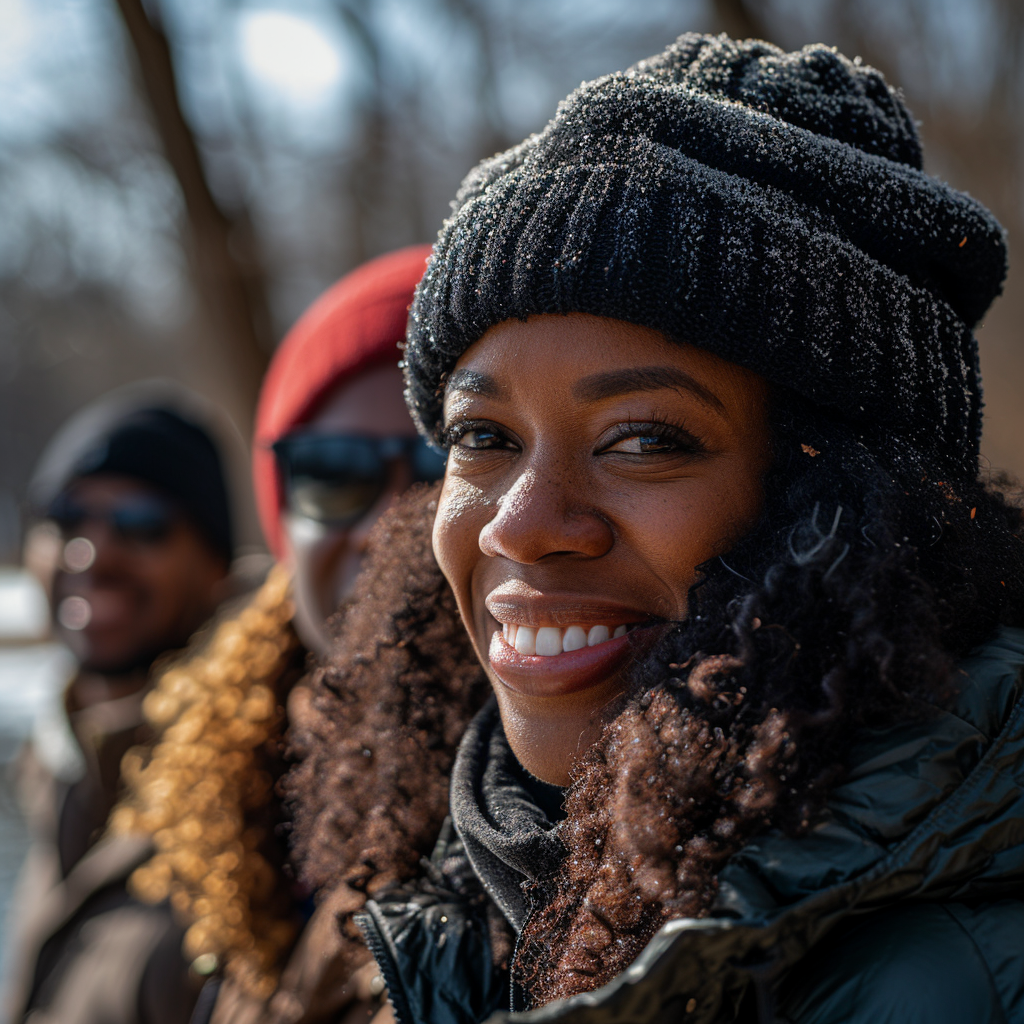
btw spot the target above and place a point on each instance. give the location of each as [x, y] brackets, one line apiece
[554, 643]
[569, 672]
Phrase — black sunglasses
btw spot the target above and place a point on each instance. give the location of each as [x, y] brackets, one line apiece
[146, 520]
[338, 478]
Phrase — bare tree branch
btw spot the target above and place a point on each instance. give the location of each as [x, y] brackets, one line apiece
[369, 168]
[222, 247]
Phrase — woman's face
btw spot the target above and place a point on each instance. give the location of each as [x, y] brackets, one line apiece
[593, 466]
[325, 558]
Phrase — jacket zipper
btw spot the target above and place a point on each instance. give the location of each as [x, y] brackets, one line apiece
[374, 930]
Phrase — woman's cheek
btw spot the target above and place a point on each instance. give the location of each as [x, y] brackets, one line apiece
[462, 512]
[685, 528]
[739, 505]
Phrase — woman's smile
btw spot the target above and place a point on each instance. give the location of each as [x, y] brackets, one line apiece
[550, 641]
[545, 645]
[593, 466]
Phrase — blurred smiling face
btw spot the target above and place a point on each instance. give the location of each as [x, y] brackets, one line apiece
[135, 577]
[593, 466]
[333, 501]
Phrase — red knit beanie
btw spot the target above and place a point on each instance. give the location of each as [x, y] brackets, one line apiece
[356, 324]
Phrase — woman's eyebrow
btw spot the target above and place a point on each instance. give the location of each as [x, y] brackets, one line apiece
[474, 382]
[613, 383]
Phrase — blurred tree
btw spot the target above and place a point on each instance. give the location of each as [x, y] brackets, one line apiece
[740, 19]
[222, 250]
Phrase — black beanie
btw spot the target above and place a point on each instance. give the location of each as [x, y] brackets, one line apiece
[767, 206]
[160, 448]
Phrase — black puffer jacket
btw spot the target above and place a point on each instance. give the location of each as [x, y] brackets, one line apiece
[904, 904]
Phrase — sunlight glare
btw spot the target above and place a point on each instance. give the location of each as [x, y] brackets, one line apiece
[15, 35]
[290, 54]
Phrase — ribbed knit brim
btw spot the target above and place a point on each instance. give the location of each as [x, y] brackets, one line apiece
[769, 207]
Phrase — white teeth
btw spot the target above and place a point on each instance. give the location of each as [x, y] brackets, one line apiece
[549, 641]
[575, 638]
[526, 640]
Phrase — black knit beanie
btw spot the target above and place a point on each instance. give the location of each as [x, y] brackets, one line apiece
[767, 206]
[158, 447]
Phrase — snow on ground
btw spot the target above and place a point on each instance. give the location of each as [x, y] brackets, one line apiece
[33, 673]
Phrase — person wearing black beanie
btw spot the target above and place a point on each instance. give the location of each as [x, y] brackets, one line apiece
[701, 355]
[767, 207]
[133, 541]
[161, 448]
[138, 489]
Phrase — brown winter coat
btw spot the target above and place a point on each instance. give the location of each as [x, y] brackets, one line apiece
[82, 950]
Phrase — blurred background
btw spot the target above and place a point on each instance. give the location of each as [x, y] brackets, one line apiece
[180, 178]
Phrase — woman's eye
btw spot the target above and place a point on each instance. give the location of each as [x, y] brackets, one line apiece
[644, 444]
[480, 438]
[655, 439]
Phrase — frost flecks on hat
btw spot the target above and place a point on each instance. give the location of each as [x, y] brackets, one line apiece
[766, 206]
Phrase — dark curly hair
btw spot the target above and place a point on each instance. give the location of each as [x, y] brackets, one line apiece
[375, 731]
[866, 577]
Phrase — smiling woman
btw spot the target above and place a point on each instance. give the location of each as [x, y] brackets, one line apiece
[700, 354]
[593, 466]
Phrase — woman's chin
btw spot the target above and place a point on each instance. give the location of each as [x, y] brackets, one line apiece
[553, 708]
[548, 747]
[549, 732]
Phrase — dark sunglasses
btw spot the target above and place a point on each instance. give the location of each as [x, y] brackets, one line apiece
[146, 520]
[337, 479]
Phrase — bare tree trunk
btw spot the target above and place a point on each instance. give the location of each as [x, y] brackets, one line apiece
[739, 20]
[494, 135]
[368, 173]
[222, 247]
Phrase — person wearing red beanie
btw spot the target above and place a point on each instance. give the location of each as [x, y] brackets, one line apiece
[334, 443]
[333, 446]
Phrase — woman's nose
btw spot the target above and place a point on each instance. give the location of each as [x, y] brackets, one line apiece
[545, 514]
